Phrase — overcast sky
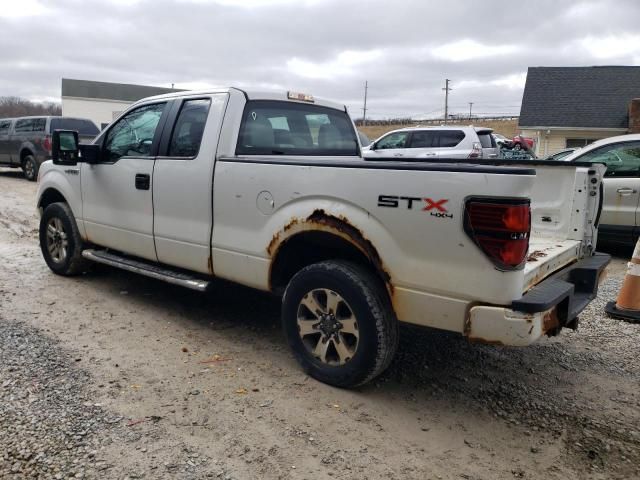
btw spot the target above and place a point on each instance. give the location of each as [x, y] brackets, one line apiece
[328, 48]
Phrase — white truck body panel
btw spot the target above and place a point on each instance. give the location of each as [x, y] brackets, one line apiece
[228, 215]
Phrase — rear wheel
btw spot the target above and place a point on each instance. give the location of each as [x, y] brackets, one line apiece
[30, 168]
[339, 323]
[517, 146]
[60, 241]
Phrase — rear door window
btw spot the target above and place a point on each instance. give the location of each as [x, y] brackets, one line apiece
[187, 133]
[287, 128]
[81, 125]
[30, 125]
[424, 139]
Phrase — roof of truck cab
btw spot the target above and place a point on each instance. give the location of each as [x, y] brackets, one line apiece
[249, 94]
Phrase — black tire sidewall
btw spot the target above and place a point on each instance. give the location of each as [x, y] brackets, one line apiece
[359, 367]
[57, 210]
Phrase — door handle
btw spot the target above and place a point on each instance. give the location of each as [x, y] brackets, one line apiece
[143, 181]
[398, 154]
[625, 191]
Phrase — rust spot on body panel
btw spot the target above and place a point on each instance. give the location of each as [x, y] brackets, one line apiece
[550, 321]
[353, 234]
[534, 256]
[319, 220]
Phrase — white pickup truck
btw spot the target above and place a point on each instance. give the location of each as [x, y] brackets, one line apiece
[270, 190]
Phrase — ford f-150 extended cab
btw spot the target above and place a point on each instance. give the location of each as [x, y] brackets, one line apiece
[270, 190]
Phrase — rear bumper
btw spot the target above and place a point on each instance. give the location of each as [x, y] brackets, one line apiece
[546, 308]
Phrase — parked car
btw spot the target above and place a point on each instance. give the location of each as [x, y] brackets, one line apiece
[519, 142]
[435, 142]
[502, 141]
[192, 186]
[620, 219]
[561, 154]
[25, 142]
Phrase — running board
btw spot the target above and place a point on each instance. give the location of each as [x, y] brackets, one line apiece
[147, 269]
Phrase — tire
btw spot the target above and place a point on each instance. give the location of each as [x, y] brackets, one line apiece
[361, 335]
[60, 241]
[30, 168]
[517, 146]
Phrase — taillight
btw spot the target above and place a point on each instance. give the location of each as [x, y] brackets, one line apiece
[476, 150]
[46, 144]
[501, 228]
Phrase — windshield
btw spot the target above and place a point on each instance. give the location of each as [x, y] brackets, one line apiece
[287, 128]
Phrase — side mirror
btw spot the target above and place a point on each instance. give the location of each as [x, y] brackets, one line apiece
[90, 153]
[64, 148]
[373, 146]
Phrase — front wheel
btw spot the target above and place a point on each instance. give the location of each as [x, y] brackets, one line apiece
[60, 241]
[339, 323]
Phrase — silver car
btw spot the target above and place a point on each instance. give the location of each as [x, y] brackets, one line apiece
[620, 217]
[433, 143]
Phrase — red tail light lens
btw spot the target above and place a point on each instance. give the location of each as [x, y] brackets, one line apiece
[501, 229]
[46, 144]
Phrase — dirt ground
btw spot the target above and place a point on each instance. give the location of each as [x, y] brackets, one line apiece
[210, 375]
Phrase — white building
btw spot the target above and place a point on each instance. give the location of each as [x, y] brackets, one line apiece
[102, 102]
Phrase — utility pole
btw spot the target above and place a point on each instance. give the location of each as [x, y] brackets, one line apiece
[470, 105]
[364, 110]
[172, 85]
[446, 99]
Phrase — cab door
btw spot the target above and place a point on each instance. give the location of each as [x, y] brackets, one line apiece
[117, 195]
[183, 182]
[424, 144]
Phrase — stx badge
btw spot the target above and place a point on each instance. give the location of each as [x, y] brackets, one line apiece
[436, 208]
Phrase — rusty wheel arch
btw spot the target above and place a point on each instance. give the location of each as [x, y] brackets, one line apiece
[320, 236]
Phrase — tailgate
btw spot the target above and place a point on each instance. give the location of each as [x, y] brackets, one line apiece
[565, 206]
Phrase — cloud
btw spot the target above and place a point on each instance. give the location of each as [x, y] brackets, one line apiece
[468, 49]
[24, 8]
[346, 64]
[328, 48]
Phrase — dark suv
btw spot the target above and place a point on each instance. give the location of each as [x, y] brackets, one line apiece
[25, 142]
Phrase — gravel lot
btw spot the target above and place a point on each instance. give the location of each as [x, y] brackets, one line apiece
[111, 375]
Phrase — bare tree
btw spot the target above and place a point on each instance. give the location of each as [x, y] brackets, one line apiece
[20, 107]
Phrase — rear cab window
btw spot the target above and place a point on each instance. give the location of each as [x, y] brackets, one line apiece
[271, 127]
[81, 125]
